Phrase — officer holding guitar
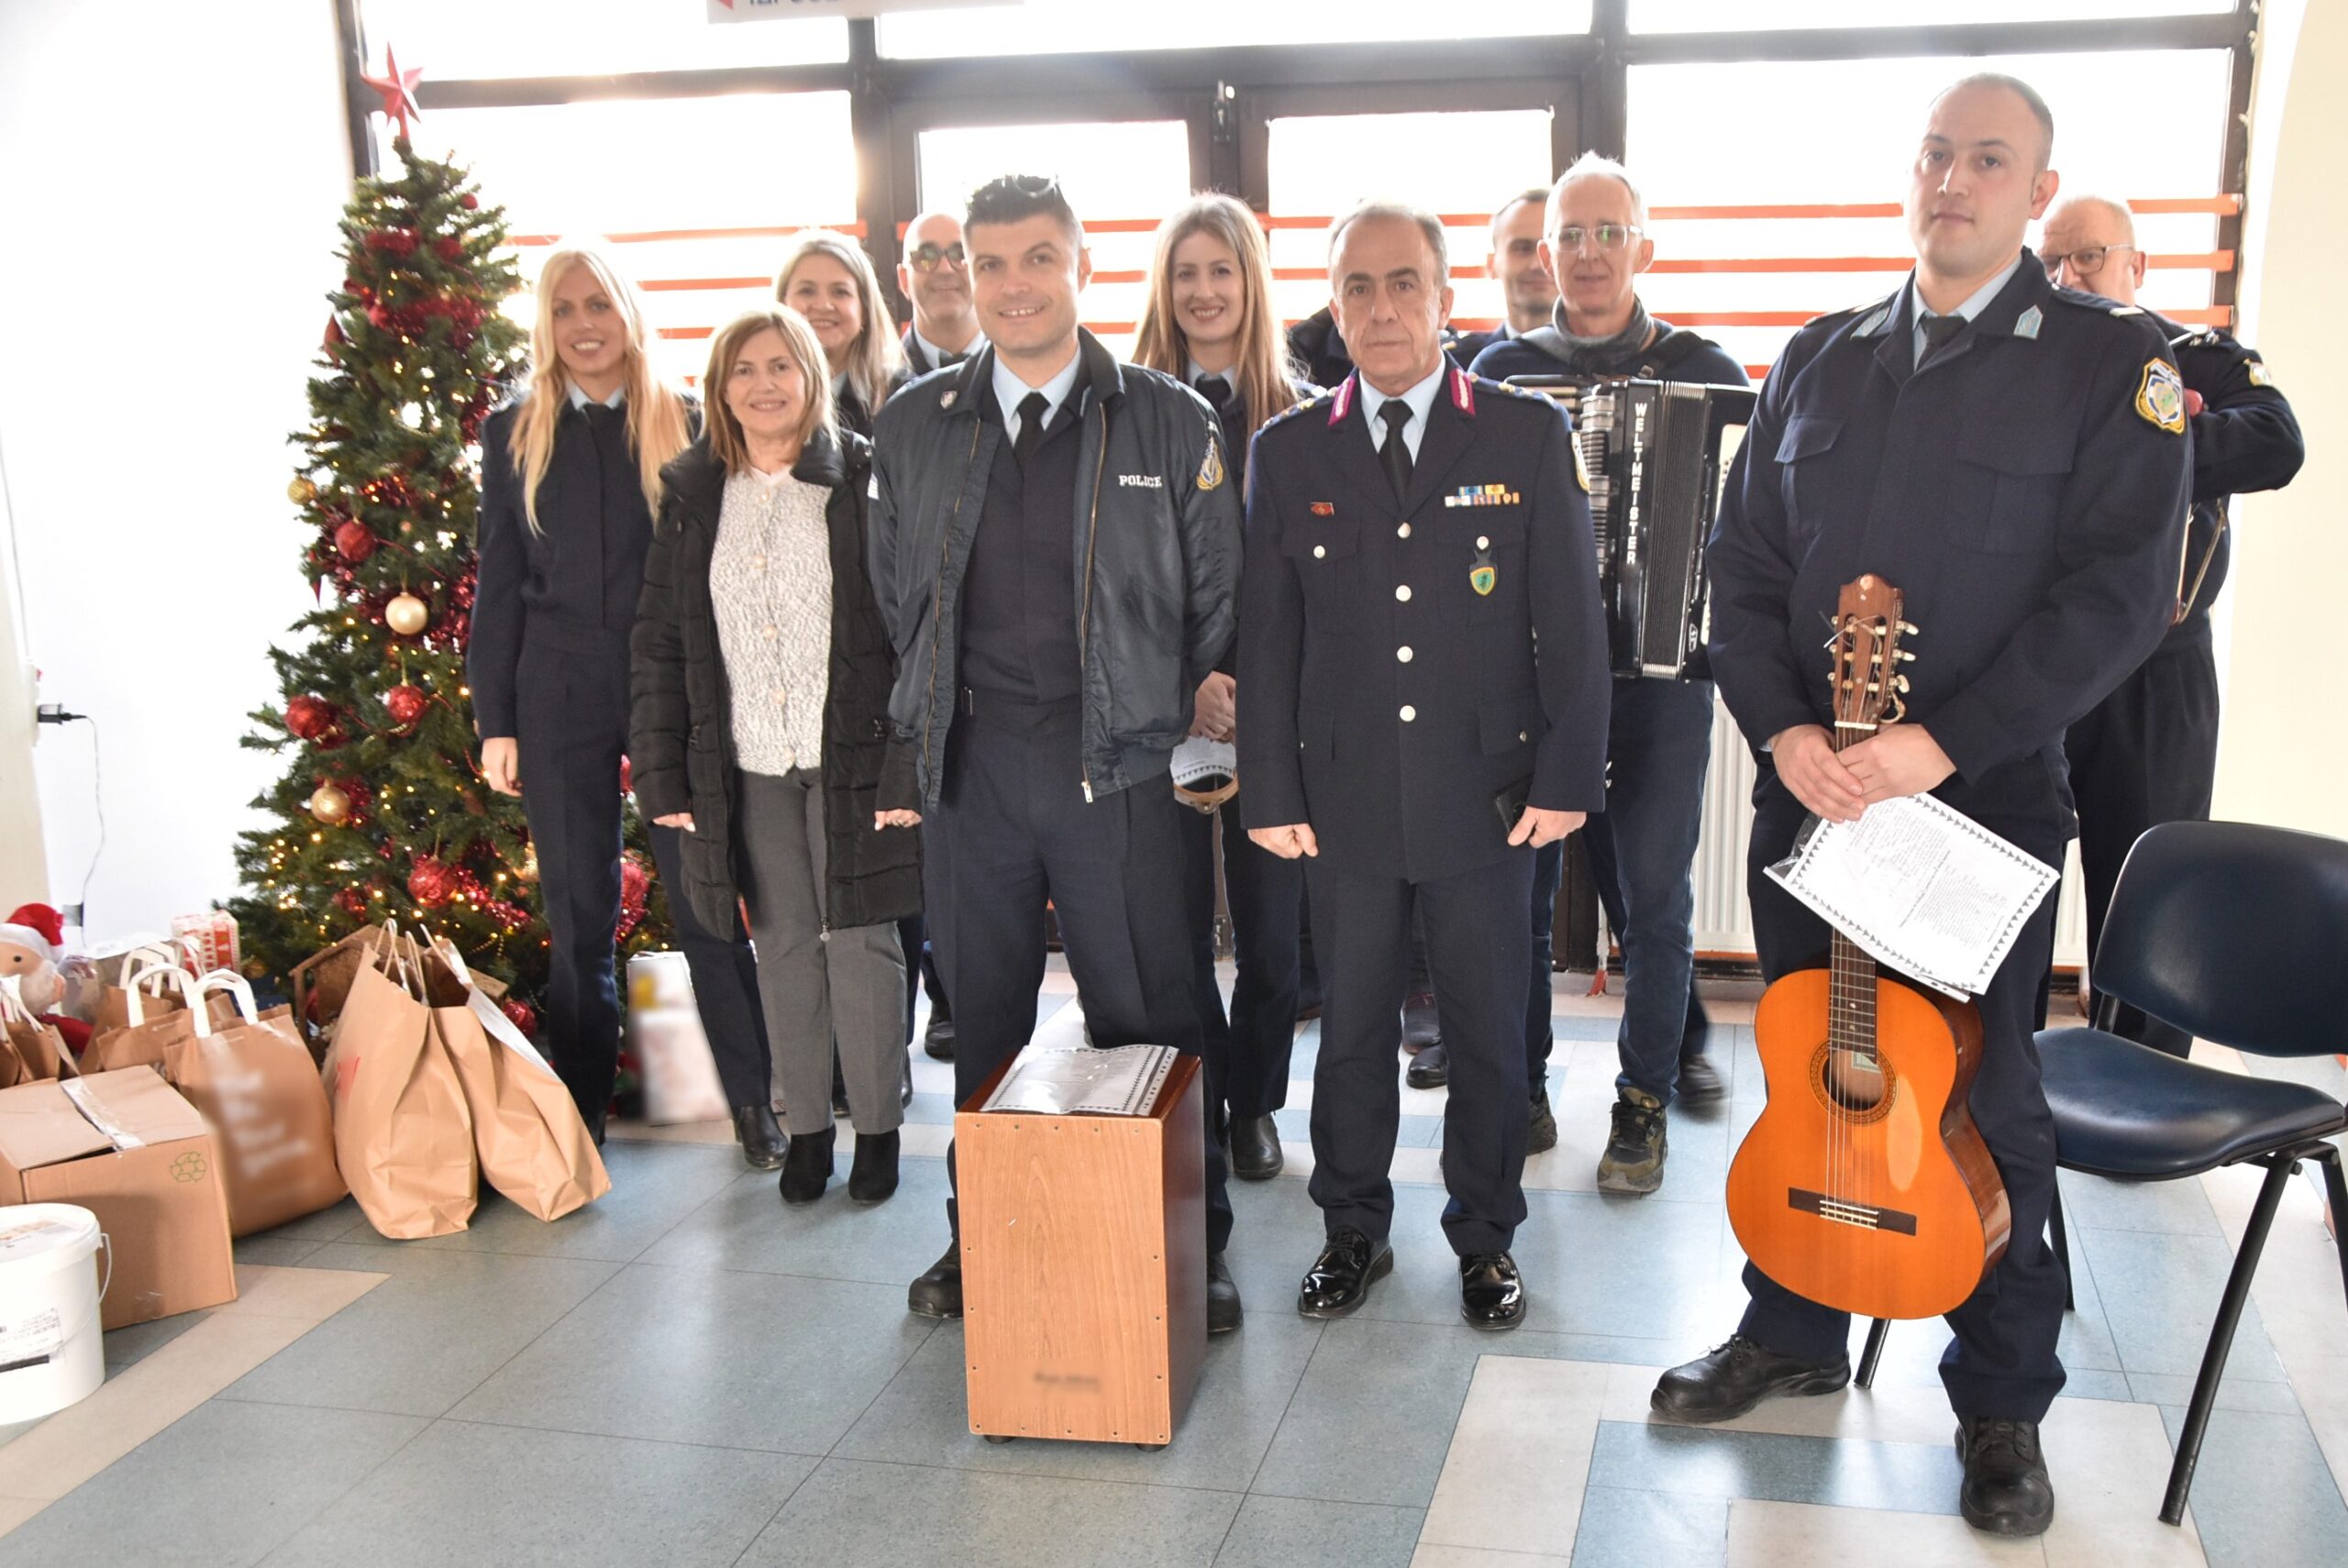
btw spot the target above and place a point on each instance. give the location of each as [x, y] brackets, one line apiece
[2012, 457]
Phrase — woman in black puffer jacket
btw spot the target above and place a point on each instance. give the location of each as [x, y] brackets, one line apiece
[758, 721]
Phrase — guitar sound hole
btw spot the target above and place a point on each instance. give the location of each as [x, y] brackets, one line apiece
[1851, 1085]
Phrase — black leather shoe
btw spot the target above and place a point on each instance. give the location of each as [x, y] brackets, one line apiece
[1700, 1081]
[1431, 1068]
[1224, 1313]
[1340, 1278]
[1420, 1028]
[938, 1042]
[1737, 1376]
[761, 1136]
[807, 1167]
[1542, 1135]
[872, 1177]
[1256, 1148]
[938, 1293]
[2007, 1490]
[1491, 1294]
[905, 1085]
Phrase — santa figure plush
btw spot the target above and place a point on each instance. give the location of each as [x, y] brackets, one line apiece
[32, 941]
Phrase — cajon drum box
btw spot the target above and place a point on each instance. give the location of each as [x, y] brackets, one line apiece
[1084, 1266]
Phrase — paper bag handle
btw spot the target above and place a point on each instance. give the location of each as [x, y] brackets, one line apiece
[235, 986]
[135, 1013]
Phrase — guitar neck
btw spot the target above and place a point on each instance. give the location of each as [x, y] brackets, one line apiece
[1850, 1018]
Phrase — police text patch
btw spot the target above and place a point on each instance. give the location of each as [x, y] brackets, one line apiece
[2160, 396]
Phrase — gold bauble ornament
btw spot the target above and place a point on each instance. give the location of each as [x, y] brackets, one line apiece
[528, 869]
[255, 969]
[301, 492]
[330, 805]
[406, 614]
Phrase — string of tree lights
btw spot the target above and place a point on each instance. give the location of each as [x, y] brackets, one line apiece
[382, 811]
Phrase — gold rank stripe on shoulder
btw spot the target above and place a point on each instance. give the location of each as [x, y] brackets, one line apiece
[1482, 496]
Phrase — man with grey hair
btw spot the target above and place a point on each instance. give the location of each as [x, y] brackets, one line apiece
[1408, 538]
[2148, 753]
[1643, 846]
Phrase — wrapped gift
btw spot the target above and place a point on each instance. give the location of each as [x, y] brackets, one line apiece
[211, 938]
[665, 1035]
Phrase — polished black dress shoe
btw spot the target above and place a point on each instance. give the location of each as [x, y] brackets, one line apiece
[1491, 1294]
[938, 1293]
[872, 1177]
[761, 1136]
[1256, 1148]
[1420, 1028]
[1340, 1278]
[2007, 1490]
[939, 1041]
[1431, 1068]
[1224, 1313]
[1700, 1081]
[807, 1167]
[1737, 1376]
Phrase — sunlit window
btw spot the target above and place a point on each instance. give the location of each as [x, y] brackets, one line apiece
[452, 38]
[1061, 27]
[1743, 16]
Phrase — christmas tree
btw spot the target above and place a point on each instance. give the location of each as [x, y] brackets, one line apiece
[381, 812]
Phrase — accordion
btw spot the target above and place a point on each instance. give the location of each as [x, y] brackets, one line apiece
[1655, 455]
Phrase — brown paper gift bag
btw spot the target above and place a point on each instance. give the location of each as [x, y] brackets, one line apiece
[403, 1138]
[534, 1148]
[153, 1014]
[117, 1008]
[36, 1050]
[321, 983]
[253, 1080]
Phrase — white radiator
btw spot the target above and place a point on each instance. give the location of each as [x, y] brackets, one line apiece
[1724, 922]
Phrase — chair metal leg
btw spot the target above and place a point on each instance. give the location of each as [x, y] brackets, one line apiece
[2335, 1187]
[2222, 1336]
[1872, 1354]
[2063, 1248]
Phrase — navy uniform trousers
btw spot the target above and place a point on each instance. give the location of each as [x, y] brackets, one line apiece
[2002, 1362]
[1011, 830]
[1479, 960]
[1247, 1049]
[571, 724]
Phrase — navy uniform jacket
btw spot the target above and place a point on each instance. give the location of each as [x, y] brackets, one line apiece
[2244, 438]
[1392, 688]
[2026, 491]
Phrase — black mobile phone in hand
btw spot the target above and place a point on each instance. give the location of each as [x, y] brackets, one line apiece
[1510, 803]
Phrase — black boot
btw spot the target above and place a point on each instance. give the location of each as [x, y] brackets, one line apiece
[1431, 1068]
[761, 1136]
[807, 1167]
[2007, 1490]
[938, 1293]
[1737, 1376]
[1420, 1028]
[1256, 1154]
[873, 1176]
[1223, 1312]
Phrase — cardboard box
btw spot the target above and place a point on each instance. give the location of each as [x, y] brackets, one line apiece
[127, 1147]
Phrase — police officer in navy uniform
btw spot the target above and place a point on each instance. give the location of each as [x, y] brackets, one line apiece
[1408, 538]
[1643, 847]
[2148, 754]
[935, 277]
[2012, 457]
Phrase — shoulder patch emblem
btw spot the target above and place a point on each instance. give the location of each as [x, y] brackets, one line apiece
[2160, 397]
[1210, 466]
[2259, 374]
[949, 398]
[2027, 324]
[2127, 310]
[1873, 324]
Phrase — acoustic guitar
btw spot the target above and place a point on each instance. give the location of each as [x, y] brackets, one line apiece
[1865, 1184]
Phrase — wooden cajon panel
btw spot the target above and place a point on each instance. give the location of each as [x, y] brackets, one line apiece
[1084, 1267]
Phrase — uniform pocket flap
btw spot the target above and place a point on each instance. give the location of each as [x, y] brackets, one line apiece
[1508, 722]
[1806, 435]
[1316, 730]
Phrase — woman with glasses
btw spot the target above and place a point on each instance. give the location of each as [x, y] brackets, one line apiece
[570, 475]
[829, 281]
[1210, 321]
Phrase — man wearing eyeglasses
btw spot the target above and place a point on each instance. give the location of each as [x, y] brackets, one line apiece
[1659, 739]
[936, 276]
[2148, 754]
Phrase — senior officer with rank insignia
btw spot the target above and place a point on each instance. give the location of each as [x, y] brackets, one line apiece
[1409, 538]
[2148, 754]
[2012, 457]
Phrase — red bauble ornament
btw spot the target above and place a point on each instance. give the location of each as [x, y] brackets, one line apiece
[430, 882]
[448, 248]
[469, 202]
[636, 882]
[309, 718]
[352, 902]
[406, 704]
[524, 1016]
[354, 541]
[628, 784]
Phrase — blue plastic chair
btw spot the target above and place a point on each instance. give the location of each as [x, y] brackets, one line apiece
[2239, 934]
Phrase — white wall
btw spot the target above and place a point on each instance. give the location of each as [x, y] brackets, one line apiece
[171, 175]
[2282, 752]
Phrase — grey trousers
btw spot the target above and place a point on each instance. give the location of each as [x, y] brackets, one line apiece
[817, 985]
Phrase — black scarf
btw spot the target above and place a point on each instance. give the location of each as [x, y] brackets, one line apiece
[1598, 356]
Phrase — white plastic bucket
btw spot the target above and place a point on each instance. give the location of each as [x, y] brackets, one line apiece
[51, 1352]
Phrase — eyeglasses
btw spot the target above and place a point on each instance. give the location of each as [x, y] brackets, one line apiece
[925, 256]
[2086, 261]
[1605, 237]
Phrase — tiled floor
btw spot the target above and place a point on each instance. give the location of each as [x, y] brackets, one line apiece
[687, 1372]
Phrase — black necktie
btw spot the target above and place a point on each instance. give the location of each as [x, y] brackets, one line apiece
[1031, 426]
[1395, 453]
[1938, 330]
[1216, 389]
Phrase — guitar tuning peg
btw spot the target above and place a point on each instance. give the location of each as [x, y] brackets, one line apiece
[1908, 629]
[1906, 657]
[1901, 684]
